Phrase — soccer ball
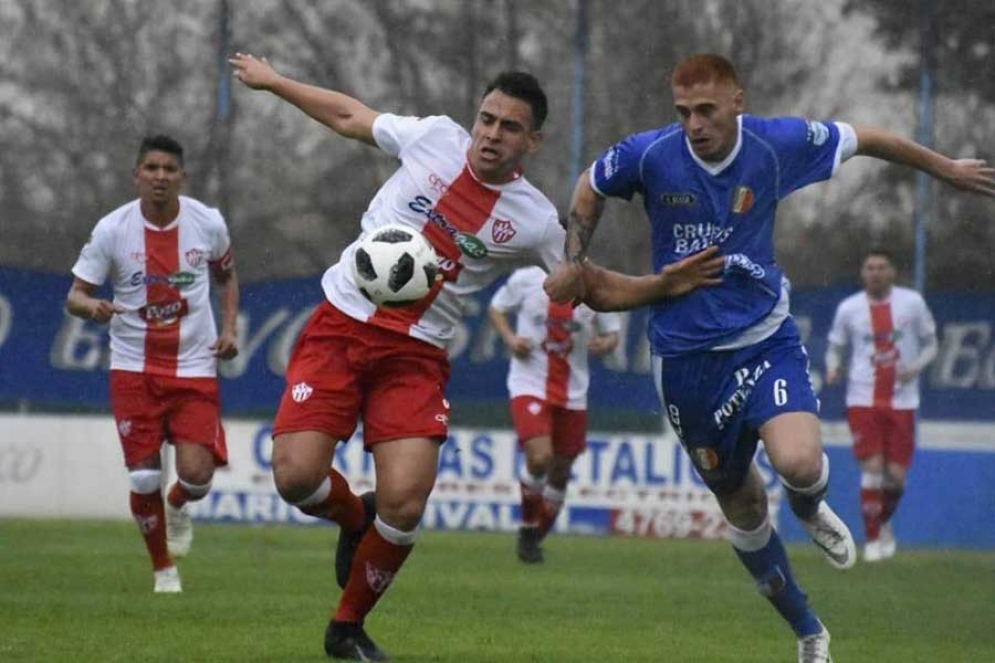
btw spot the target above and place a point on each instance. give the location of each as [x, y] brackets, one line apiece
[394, 266]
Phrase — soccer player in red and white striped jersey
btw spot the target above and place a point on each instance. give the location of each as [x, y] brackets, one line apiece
[389, 366]
[160, 252]
[892, 336]
[548, 381]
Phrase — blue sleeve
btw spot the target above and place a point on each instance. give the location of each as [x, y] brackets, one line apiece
[807, 151]
[617, 173]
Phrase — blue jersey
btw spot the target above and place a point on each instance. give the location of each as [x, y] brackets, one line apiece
[692, 205]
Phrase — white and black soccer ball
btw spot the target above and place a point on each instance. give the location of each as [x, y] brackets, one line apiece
[394, 265]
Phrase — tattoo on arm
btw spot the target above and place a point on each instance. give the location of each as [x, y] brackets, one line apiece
[580, 230]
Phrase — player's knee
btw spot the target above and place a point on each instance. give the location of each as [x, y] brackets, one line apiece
[802, 471]
[401, 509]
[295, 482]
[538, 462]
[196, 476]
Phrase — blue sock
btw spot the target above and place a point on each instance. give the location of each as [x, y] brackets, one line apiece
[767, 562]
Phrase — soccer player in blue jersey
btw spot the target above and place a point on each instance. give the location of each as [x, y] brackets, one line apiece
[728, 358]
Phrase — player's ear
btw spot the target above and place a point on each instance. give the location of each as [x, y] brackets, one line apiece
[739, 100]
[535, 140]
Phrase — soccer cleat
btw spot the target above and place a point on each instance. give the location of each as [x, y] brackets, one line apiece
[345, 551]
[348, 641]
[832, 536]
[814, 648]
[179, 530]
[167, 581]
[888, 543]
[528, 549]
[873, 551]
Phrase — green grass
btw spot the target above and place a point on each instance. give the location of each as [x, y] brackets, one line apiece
[81, 591]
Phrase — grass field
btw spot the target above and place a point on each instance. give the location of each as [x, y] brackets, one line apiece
[81, 591]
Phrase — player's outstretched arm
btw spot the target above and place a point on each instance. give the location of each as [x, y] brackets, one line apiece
[566, 283]
[343, 114]
[973, 175]
[607, 290]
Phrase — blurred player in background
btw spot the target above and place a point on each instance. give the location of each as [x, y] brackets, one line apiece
[892, 336]
[548, 381]
[729, 359]
[465, 192]
[160, 252]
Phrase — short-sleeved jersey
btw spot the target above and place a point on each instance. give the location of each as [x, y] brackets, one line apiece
[161, 277]
[692, 204]
[557, 368]
[480, 231]
[884, 336]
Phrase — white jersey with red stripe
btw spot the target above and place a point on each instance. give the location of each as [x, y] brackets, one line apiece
[885, 336]
[480, 231]
[161, 277]
[556, 370]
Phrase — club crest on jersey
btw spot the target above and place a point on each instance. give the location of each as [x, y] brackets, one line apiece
[502, 230]
[742, 200]
[678, 199]
[195, 257]
[301, 391]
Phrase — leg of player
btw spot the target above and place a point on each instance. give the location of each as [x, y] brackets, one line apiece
[538, 456]
[194, 472]
[794, 445]
[872, 504]
[406, 471]
[894, 487]
[760, 550]
[147, 508]
[555, 492]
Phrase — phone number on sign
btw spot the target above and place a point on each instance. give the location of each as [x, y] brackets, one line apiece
[668, 523]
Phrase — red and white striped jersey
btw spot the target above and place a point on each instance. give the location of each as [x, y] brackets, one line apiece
[161, 278]
[480, 231]
[556, 370]
[885, 336]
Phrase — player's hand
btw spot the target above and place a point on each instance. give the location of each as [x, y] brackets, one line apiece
[520, 346]
[256, 73]
[103, 311]
[565, 283]
[601, 345]
[904, 375]
[226, 347]
[973, 175]
[832, 377]
[697, 270]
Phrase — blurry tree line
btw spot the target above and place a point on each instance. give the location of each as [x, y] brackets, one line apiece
[82, 82]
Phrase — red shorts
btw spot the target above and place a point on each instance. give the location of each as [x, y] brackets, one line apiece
[343, 370]
[883, 431]
[151, 408]
[533, 417]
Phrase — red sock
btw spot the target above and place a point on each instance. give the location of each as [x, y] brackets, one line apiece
[150, 514]
[340, 506]
[871, 505]
[890, 504]
[550, 510]
[531, 505]
[377, 562]
[178, 496]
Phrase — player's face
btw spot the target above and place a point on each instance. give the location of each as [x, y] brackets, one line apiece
[501, 136]
[708, 112]
[159, 177]
[878, 275]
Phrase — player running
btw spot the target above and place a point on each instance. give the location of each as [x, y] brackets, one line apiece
[729, 359]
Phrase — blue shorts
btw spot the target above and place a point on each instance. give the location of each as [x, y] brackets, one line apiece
[717, 401]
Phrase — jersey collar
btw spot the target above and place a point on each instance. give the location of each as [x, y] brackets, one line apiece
[715, 167]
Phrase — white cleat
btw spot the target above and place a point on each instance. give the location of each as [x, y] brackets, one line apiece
[874, 551]
[179, 530]
[167, 581]
[888, 543]
[814, 648]
[832, 536]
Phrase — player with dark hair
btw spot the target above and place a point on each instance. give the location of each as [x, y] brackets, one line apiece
[160, 252]
[729, 358]
[892, 337]
[388, 366]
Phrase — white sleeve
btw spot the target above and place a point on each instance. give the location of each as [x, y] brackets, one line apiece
[221, 240]
[509, 296]
[847, 146]
[608, 323]
[925, 322]
[394, 133]
[95, 258]
[837, 333]
[550, 249]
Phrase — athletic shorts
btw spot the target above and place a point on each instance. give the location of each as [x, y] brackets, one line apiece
[343, 371]
[717, 401]
[883, 431]
[534, 417]
[150, 409]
